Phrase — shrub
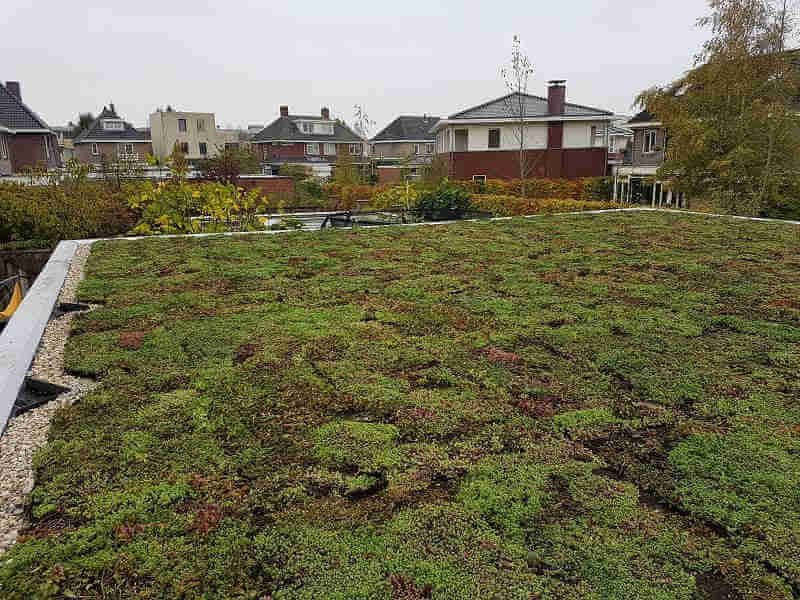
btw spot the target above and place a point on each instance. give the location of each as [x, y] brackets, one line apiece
[590, 188]
[345, 197]
[510, 206]
[444, 202]
[404, 196]
[73, 209]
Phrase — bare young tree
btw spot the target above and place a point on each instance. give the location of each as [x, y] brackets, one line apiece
[516, 76]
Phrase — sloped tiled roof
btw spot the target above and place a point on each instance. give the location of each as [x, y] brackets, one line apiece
[408, 129]
[534, 106]
[95, 131]
[285, 129]
[15, 115]
[643, 117]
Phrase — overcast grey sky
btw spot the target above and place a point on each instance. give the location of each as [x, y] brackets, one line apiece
[243, 59]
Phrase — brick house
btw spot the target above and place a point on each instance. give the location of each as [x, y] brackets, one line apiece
[636, 179]
[312, 141]
[25, 139]
[111, 139]
[561, 139]
[404, 147]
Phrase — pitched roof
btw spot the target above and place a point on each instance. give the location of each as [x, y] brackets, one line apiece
[615, 130]
[285, 129]
[412, 129]
[534, 106]
[95, 131]
[643, 117]
[14, 114]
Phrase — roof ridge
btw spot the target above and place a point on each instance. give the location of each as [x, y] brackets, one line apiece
[25, 107]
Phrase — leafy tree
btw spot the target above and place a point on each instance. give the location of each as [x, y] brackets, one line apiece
[734, 134]
[84, 121]
[296, 172]
[229, 164]
[346, 172]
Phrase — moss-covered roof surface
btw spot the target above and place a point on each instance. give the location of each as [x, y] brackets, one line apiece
[568, 407]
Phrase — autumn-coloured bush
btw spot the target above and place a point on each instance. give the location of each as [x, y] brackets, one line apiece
[589, 188]
[63, 210]
[509, 206]
[346, 197]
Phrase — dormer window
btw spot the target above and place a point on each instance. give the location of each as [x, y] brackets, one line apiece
[313, 128]
[113, 125]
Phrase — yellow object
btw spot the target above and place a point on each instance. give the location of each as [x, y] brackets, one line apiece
[13, 305]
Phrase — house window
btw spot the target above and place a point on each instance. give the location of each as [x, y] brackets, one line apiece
[355, 149]
[312, 149]
[323, 128]
[650, 139]
[125, 149]
[612, 144]
[306, 127]
[481, 179]
[185, 147]
[494, 138]
[330, 149]
[429, 148]
[417, 148]
[201, 125]
[182, 125]
[3, 148]
[95, 149]
[203, 148]
[48, 150]
[113, 125]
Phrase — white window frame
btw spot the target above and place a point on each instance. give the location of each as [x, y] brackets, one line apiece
[201, 124]
[125, 149]
[3, 148]
[185, 125]
[650, 141]
[329, 149]
[182, 144]
[430, 148]
[612, 143]
[356, 149]
[95, 149]
[312, 149]
[200, 146]
[113, 125]
[48, 150]
[479, 179]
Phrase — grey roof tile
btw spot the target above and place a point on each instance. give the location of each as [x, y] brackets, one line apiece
[14, 114]
[285, 129]
[534, 106]
[95, 131]
[408, 128]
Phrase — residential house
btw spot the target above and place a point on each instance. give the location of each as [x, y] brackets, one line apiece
[561, 139]
[25, 139]
[315, 142]
[195, 133]
[636, 179]
[110, 139]
[404, 147]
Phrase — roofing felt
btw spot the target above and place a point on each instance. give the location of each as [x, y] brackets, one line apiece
[409, 128]
[533, 106]
[286, 129]
[14, 114]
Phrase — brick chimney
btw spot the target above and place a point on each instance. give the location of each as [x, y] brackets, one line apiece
[326, 113]
[284, 111]
[14, 89]
[556, 96]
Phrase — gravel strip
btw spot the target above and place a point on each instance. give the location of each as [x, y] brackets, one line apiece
[28, 432]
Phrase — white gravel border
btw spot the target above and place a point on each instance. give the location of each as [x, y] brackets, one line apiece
[28, 432]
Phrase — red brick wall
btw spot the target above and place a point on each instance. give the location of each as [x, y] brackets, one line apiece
[83, 151]
[27, 150]
[389, 175]
[268, 185]
[554, 163]
[268, 152]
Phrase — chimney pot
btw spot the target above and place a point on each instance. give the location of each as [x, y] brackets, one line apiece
[556, 96]
[326, 113]
[14, 89]
[284, 111]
